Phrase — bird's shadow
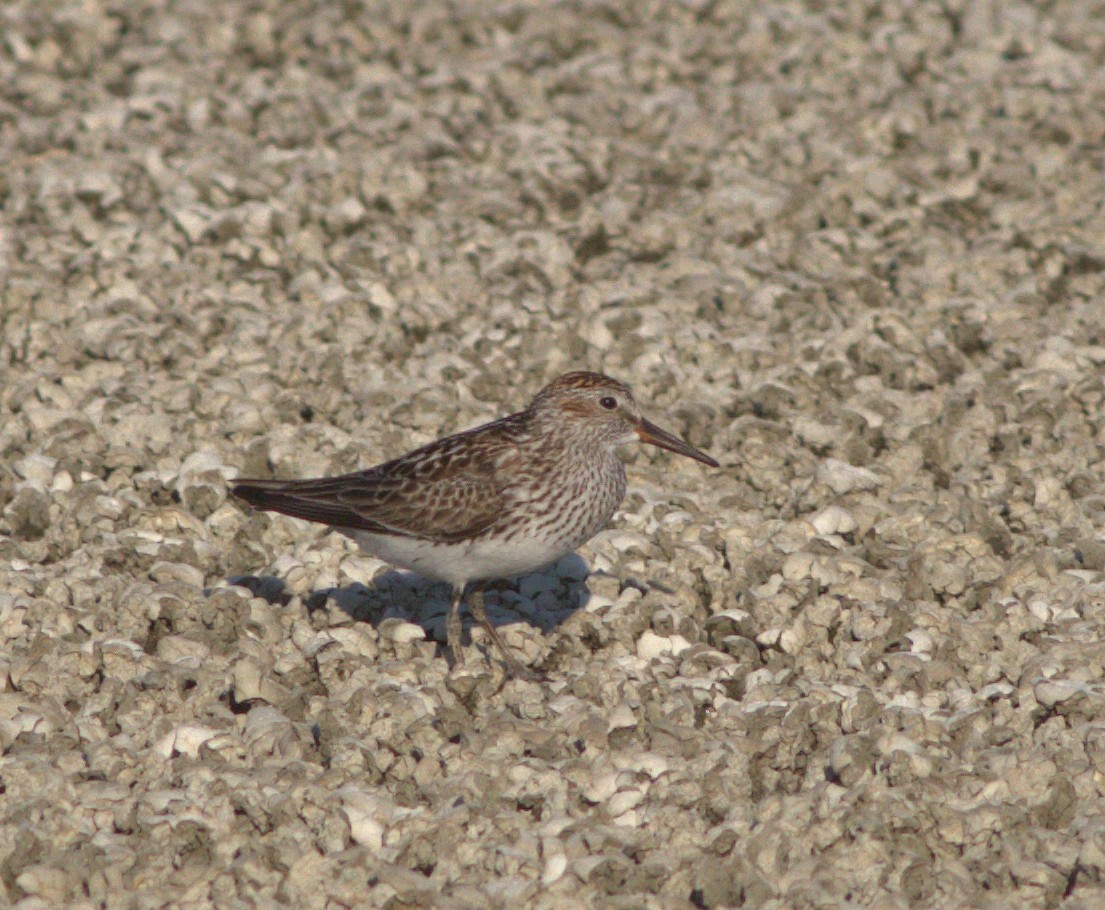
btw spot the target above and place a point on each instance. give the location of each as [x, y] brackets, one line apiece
[543, 599]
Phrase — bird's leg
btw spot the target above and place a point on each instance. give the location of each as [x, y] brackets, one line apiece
[454, 632]
[475, 604]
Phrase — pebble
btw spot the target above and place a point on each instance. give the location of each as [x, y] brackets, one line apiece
[290, 245]
[845, 478]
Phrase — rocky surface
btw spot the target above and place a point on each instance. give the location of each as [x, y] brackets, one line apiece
[856, 251]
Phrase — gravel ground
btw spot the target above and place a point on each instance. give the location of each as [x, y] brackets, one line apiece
[856, 251]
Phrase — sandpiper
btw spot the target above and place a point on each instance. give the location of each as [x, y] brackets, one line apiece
[498, 501]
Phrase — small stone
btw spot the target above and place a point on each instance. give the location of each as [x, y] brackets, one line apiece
[650, 645]
[833, 520]
[1052, 692]
[401, 632]
[192, 223]
[39, 469]
[842, 477]
[346, 216]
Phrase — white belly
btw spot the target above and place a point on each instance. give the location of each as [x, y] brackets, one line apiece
[460, 563]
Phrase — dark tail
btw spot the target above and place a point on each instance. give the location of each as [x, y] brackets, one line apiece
[310, 500]
[261, 494]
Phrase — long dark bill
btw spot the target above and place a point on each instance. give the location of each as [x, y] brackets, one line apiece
[652, 434]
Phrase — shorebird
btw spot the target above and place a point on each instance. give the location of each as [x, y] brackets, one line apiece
[498, 501]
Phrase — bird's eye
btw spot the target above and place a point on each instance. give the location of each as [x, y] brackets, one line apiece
[609, 402]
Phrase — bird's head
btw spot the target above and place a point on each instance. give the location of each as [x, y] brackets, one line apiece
[605, 410]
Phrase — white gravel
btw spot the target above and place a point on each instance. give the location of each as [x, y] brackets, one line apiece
[855, 251]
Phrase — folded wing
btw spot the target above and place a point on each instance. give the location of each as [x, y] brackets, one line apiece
[438, 493]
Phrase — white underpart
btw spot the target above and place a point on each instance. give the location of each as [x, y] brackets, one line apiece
[460, 563]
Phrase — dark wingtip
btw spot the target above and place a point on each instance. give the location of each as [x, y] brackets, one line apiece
[299, 499]
[252, 491]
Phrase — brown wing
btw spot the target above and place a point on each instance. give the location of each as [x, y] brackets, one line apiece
[446, 491]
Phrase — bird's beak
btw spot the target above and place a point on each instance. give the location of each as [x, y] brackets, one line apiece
[652, 434]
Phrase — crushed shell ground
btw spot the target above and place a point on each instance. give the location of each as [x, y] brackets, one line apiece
[854, 250]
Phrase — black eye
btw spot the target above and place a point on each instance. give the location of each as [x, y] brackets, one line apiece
[609, 402]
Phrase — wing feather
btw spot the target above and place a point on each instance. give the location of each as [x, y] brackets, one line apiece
[446, 491]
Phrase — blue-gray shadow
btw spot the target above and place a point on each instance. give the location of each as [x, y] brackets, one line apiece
[416, 599]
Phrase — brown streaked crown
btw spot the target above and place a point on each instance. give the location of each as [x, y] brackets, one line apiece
[579, 381]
